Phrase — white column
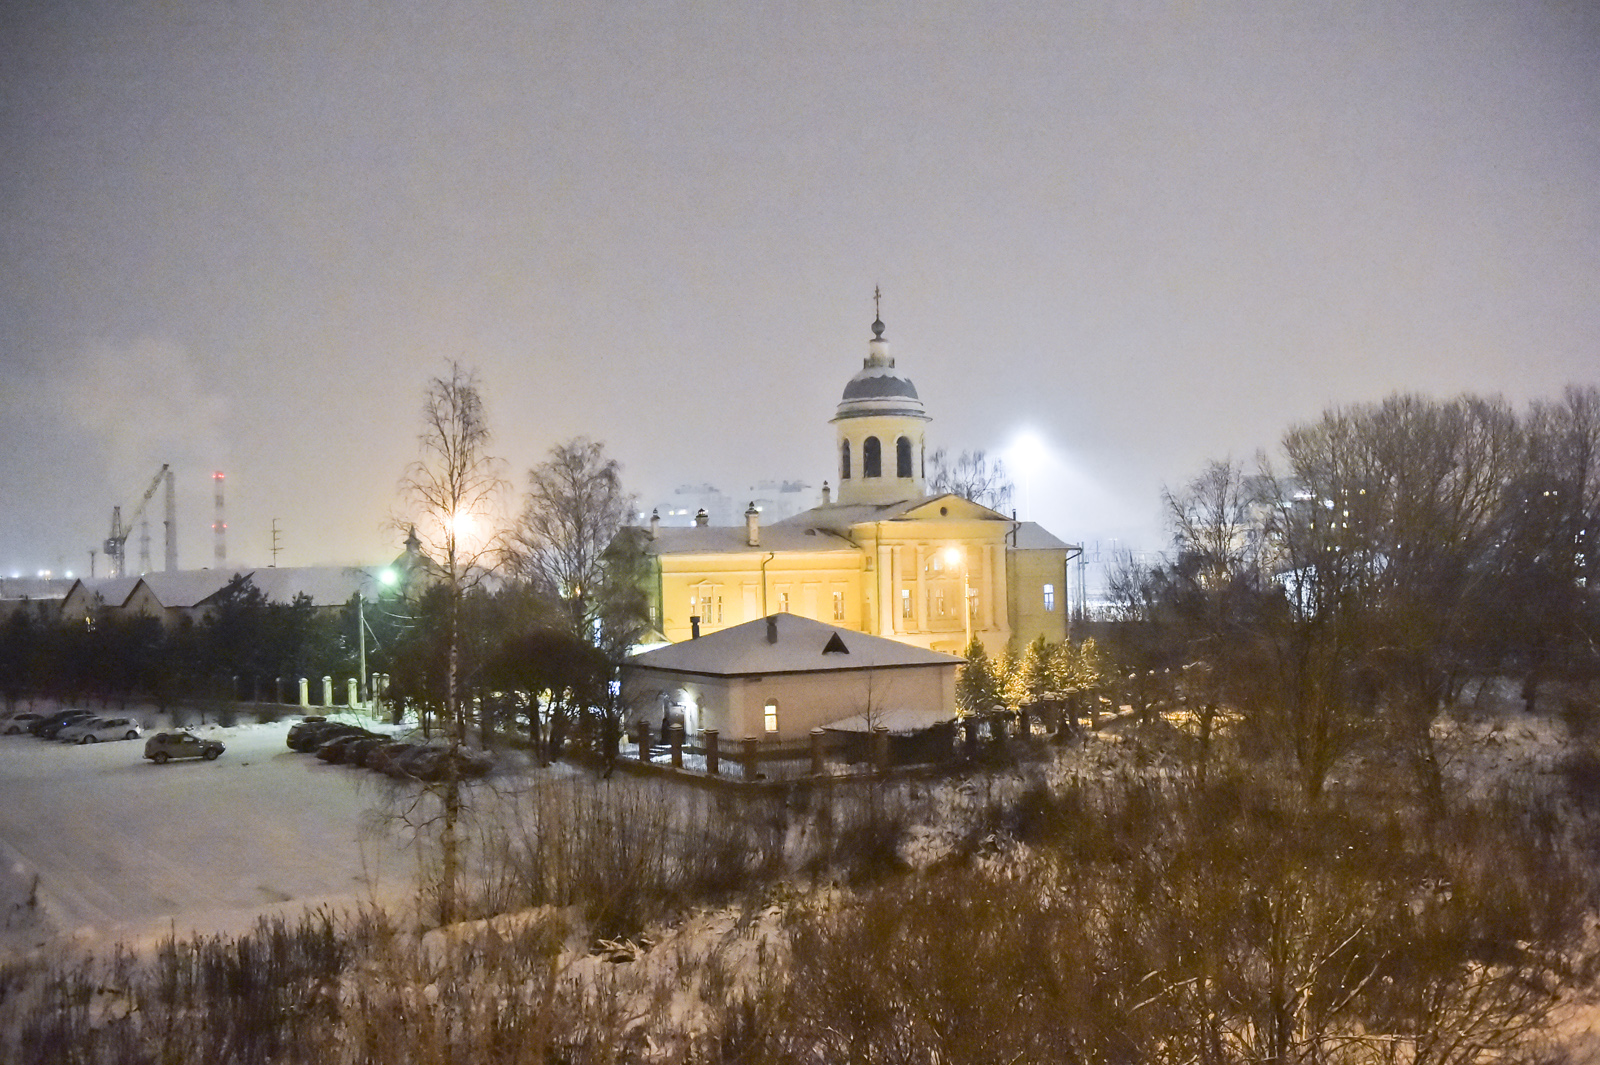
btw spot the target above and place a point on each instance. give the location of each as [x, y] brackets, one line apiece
[885, 582]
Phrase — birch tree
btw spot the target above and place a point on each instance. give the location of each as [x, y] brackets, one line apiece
[453, 491]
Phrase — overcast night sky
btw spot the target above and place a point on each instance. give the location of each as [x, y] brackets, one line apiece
[244, 235]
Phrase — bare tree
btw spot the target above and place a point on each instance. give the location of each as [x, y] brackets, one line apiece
[575, 507]
[570, 544]
[971, 476]
[454, 490]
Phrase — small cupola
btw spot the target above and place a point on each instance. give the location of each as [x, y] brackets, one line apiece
[752, 525]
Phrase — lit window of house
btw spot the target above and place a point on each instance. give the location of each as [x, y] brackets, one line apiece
[838, 606]
[770, 717]
[1049, 598]
[905, 602]
[783, 602]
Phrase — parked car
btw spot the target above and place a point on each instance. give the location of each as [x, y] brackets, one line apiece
[101, 728]
[17, 724]
[50, 726]
[310, 734]
[166, 745]
[350, 749]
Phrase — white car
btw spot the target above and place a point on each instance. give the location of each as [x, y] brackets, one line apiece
[101, 728]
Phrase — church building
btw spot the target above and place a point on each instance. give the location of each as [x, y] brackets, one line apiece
[884, 557]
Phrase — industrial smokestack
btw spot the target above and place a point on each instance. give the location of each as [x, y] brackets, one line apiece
[172, 526]
[220, 526]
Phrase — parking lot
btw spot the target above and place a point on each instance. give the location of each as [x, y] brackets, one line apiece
[124, 848]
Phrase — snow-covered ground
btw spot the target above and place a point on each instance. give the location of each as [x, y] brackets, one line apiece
[96, 843]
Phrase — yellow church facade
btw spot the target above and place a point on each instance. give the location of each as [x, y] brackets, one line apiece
[884, 558]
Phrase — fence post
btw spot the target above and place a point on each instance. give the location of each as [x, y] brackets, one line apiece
[327, 691]
[711, 751]
[350, 691]
[675, 732]
[880, 748]
[752, 747]
[816, 751]
[305, 692]
[969, 736]
[644, 741]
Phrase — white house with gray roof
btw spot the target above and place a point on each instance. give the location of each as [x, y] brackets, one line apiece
[779, 677]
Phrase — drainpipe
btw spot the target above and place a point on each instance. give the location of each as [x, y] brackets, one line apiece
[770, 556]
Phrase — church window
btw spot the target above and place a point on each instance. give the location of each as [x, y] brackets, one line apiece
[1049, 598]
[783, 602]
[902, 457]
[871, 457]
[905, 602]
[838, 606]
[844, 461]
[769, 717]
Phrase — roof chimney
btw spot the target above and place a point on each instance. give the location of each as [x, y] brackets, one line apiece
[772, 628]
[701, 518]
[655, 523]
[752, 525]
[827, 493]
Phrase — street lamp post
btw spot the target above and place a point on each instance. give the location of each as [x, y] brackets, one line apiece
[387, 578]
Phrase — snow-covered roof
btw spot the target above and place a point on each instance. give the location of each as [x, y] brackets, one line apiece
[1031, 536]
[183, 589]
[324, 585]
[733, 539]
[186, 589]
[35, 587]
[801, 646]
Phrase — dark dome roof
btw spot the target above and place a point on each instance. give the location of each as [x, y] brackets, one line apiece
[865, 386]
[878, 390]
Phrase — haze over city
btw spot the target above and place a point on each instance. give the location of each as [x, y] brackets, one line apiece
[1140, 235]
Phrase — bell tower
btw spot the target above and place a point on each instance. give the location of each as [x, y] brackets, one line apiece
[879, 430]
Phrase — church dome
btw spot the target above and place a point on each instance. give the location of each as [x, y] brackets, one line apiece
[878, 389]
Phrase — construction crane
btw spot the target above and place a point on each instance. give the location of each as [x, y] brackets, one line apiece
[116, 545]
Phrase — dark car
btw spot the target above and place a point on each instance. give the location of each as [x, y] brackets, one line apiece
[433, 764]
[47, 728]
[351, 749]
[309, 735]
[168, 745]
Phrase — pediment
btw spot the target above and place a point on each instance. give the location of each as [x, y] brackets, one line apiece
[950, 506]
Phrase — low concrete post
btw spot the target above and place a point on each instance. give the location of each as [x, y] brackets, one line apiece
[350, 692]
[675, 738]
[327, 691]
[816, 752]
[1024, 726]
[969, 737]
[880, 748]
[305, 692]
[711, 751]
[752, 750]
[644, 741]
